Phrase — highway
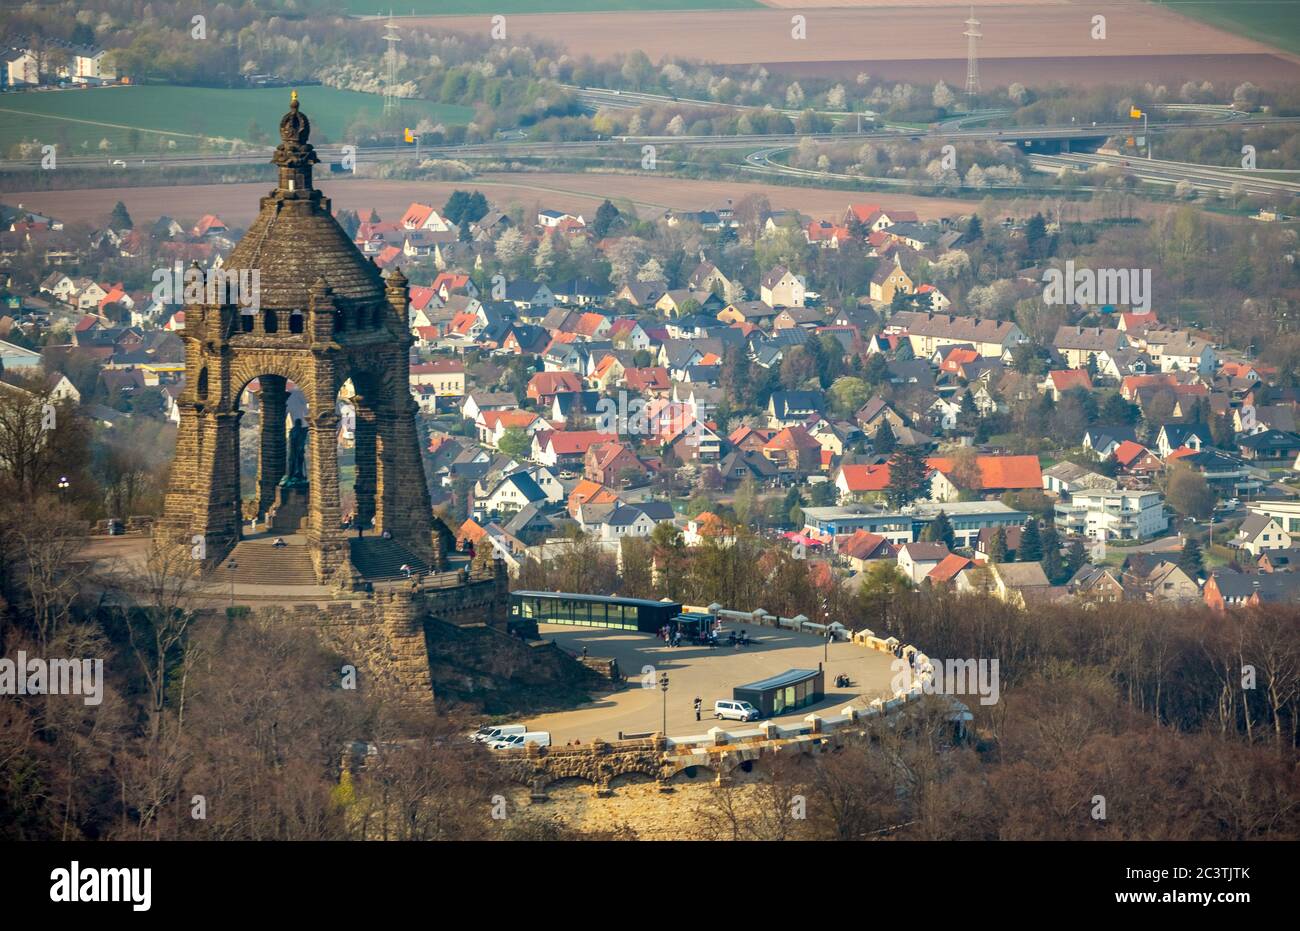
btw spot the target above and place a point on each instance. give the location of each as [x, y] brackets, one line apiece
[1206, 178]
[512, 149]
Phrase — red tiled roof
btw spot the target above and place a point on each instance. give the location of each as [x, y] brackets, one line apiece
[578, 441]
[864, 544]
[792, 438]
[1066, 379]
[1023, 472]
[866, 477]
[1128, 452]
[948, 568]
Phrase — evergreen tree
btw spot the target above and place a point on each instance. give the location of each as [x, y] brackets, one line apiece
[476, 207]
[876, 368]
[1075, 556]
[998, 545]
[1190, 560]
[1031, 544]
[1035, 235]
[974, 229]
[120, 219]
[909, 477]
[463, 233]
[884, 442]
[940, 530]
[1115, 410]
[606, 215]
[1053, 565]
[350, 222]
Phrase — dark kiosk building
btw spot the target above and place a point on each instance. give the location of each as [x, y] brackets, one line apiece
[528, 609]
[788, 691]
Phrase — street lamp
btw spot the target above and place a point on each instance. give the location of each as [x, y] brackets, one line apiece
[64, 484]
[232, 566]
[663, 686]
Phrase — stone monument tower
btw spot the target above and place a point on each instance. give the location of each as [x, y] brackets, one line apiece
[322, 316]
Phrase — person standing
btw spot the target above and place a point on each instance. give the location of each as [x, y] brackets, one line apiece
[698, 705]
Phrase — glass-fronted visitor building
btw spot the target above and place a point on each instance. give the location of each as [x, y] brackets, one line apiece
[788, 691]
[528, 609]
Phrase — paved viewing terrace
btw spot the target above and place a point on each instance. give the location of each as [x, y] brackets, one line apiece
[709, 673]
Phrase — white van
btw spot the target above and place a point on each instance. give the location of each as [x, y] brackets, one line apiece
[488, 733]
[514, 741]
[735, 710]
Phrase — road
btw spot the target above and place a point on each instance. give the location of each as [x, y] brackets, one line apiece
[1208, 178]
[379, 154]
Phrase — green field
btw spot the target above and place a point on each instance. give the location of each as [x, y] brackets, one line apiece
[1274, 22]
[186, 116]
[491, 7]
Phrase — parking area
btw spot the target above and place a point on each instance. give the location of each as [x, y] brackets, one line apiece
[709, 673]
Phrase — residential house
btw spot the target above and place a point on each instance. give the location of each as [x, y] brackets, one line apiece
[890, 279]
[1259, 532]
[996, 475]
[1066, 477]
[781, 287]
[1270, 446]
[1079, 344]
[1096, 585]
[926, 332]
[567, 449]
[1112, 515]
[916, 560]
[794, 451]
[788, 408]
[1227, 589]
[863, 548]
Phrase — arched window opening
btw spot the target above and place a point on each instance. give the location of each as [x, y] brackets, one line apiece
[270, 321]
[295, 322]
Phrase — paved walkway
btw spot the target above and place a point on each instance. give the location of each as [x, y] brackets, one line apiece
[709, 673]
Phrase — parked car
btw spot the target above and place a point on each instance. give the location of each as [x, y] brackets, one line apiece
[515, 741]
[734, 710]
[489, 732]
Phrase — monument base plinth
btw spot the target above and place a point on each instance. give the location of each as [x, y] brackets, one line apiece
[291, 504]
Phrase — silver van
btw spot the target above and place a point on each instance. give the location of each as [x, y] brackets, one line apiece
[734, 710]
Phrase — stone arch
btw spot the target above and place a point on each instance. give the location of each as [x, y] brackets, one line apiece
[632, 777]
[571, 780]
[693, 772]
[248, 367]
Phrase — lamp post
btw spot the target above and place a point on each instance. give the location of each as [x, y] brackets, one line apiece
[232, 566]
[663, 686]
[64, 485]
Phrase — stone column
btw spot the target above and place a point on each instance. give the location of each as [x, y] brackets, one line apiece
[271, 462]
[327, 540]
[208, 448]
[402, 495]
[367, 464]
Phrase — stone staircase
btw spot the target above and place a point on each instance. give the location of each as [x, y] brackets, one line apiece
[378, 559]
[259, 562]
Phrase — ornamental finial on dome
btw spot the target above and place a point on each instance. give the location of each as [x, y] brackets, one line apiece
[294, 125]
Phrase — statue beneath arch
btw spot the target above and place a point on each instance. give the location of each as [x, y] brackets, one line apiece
[327, 317]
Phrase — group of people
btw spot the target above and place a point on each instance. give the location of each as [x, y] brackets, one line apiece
[670, 635]
[911, 654]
